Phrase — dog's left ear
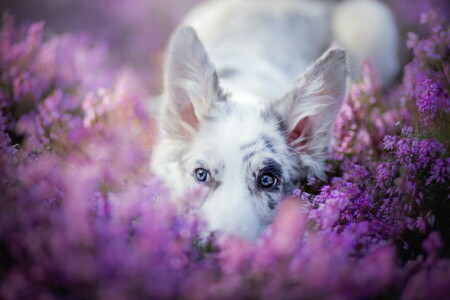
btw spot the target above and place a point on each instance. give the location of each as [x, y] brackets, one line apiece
[311, 107]
[191, 85]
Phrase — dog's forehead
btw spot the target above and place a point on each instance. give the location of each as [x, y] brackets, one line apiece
[242, 133]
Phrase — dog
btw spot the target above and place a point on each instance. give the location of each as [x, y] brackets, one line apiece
[252, 90]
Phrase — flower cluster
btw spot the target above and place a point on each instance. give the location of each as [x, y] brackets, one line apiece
[81, 216]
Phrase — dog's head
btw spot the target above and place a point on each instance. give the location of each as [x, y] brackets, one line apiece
[246, 157]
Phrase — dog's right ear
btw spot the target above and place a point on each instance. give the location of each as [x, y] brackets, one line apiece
[191, 85]
[311, 108]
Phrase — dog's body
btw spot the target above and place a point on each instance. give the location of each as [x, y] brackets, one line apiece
[233, 122]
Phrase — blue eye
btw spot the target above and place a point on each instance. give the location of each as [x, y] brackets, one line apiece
[202, 175]
[267, 180]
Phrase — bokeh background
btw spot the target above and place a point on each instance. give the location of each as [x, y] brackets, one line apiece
[136, 31]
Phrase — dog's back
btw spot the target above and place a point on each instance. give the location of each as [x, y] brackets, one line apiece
[260, 46]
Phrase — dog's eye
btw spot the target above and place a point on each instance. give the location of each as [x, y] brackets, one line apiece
[202, 175]
[267, 180]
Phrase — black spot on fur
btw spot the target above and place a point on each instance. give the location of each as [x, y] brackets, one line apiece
[271, 203]
[268, 143]
[266, 116]
[227, 72]
[210, 118]
[282, 127]
[251, 191]
[214, 184]
[276, 188]
[220, 94]
[248, 156]
[288, 188]
[248, 145]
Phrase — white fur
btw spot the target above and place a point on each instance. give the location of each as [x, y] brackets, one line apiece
[241, 102]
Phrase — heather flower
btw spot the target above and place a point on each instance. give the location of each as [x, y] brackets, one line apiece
[430, 149]
[5, 140]
[407, 150]
[440, 172]
[428, 17]
[428, 101]
[386, 173]
[412, 40]
[409, 11]
[389, 142]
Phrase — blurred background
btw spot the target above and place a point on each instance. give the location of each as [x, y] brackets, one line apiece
[136, 31]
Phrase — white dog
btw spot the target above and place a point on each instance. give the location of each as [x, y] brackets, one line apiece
[238, 118]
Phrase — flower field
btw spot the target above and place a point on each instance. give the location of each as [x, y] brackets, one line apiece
[82, 217]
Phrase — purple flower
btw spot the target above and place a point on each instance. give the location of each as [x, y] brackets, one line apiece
[389, 142]
[440, 172]
[428, 100]
[385, 174]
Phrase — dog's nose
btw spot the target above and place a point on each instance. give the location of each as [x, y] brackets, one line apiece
[233, 215]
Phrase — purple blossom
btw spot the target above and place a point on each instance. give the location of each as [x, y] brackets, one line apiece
[430, 149]
[386, 172]
[440, 172]
[428, 100]
[389, 142]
